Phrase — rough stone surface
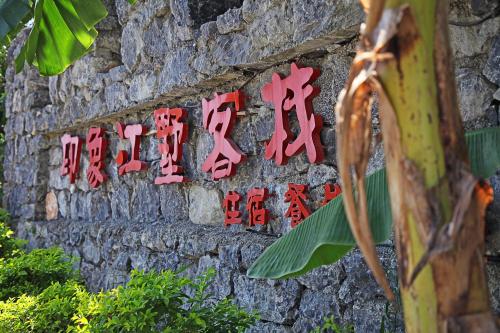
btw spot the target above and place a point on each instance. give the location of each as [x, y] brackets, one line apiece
[51, 209]
[475, 94]
[492, 68]
[205, 206]
[173, 54]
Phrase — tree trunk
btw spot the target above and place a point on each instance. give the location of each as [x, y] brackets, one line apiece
[437, 204]
[438, 207]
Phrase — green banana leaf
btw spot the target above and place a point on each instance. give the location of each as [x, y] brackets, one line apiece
[484, 151]
[13, 15]
[63, 31]
[325, 236]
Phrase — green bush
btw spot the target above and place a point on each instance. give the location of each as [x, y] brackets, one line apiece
[32, 272]
[156, 302]
[9, 246]
[150, 302]
[331, 326]
[14, 314]
[49, 312]
[40, 292]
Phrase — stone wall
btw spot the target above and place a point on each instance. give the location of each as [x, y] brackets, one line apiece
[174, 53]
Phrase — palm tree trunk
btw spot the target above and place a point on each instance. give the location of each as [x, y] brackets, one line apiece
[438, 207]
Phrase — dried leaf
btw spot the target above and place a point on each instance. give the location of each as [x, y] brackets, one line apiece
[353, 112]
[354, 133]
[421, 202]
[445, 239]
[374, 10]
[365, 4]
[484, 194]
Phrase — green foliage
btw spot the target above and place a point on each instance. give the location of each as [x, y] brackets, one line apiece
[150, 302]
[153, 301]
[13, 15]
[331, 326]
[33, 272]
[484, 151]
[325, 236]
[63, 31]
[39, 293]
[9, 246]
[50, 311]
[14, 314]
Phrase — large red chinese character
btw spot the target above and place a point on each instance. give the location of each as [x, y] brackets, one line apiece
[296, 92]
[298, 211]
[132, 133]
[232, 212]
[96, 145]
[257, 214]
[331, 192]
[226, 155]
[71, 151]
[172, 133]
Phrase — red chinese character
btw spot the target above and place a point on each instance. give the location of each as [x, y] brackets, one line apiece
[96, 145]
[132, 133]
[331, 193]
[298, 211]
[232, 208]
[172, 133]
[226, 155]
[257, 214]
[296, 92]
[72, 150]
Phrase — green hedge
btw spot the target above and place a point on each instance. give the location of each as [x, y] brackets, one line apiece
[153, 302]
[30, 273]
[149, 302]
[50, 311]
[9, 246]
[41, 293]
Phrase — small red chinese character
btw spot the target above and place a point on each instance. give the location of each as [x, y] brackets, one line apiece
[132, 133]
[96, 145]
[172, 133]
[257, 214]
[232, 208]
[226, 155]
[294, 91]
[298, 211]
[72, 150]
[331, 193]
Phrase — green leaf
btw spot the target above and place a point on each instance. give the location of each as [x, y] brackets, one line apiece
[132, 2]
[13, 15]
[325, 236]
[63, 31]
[484, 151]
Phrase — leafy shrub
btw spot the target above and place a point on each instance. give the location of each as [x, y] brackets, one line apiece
[153, 302]
[14, 314]
[331, 326]
[33, 272]
[39, 293]
[150, 302]
[51, 311]
[9, 246]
